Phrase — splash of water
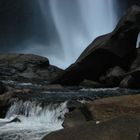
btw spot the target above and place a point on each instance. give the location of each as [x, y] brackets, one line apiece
[36, 121]
[138, 41]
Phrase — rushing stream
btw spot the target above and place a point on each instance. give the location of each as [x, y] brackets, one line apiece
[33, 115]
[34, 121]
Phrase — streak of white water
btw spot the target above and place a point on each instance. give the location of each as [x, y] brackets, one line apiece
[78, 26]
[36, 121]
[138, 41]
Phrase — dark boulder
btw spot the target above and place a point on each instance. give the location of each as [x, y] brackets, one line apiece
[15, 120]
[132, 80]
[117, 48]
[74, 118]
[136, 63]
[112, 77]
[26, 67]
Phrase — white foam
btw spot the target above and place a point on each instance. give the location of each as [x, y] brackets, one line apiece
[99, 89]
[36, 121]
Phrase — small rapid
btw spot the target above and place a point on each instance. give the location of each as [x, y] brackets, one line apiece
[35, 120]
[33, 115]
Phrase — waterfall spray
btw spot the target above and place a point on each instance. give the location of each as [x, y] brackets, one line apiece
[78, 23]
[35, 120]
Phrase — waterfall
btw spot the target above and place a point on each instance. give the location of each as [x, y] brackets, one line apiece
[77, 23]
[36, 120]
[57, 29]
[138, 41]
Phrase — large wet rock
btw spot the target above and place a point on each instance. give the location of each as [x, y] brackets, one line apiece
[117, 48]
[121, 128]
[26, 66]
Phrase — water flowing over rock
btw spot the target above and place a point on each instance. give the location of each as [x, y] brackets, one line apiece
[31, 113]
[117, 48]
[31, 120]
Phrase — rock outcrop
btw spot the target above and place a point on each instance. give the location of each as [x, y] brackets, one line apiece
[117, 48]
[26, 66]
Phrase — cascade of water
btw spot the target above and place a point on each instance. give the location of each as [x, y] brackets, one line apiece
[78, 23]
[35, 120]
[138, 41]
[57, 29]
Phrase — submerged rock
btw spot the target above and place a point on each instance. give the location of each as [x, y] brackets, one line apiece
[117, 48]
[15, 120]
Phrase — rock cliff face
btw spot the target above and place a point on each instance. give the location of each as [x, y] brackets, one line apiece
[117, 48]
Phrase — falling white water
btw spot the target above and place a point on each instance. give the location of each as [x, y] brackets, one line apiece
[36, 121]
[138, 41]
[78, 26]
